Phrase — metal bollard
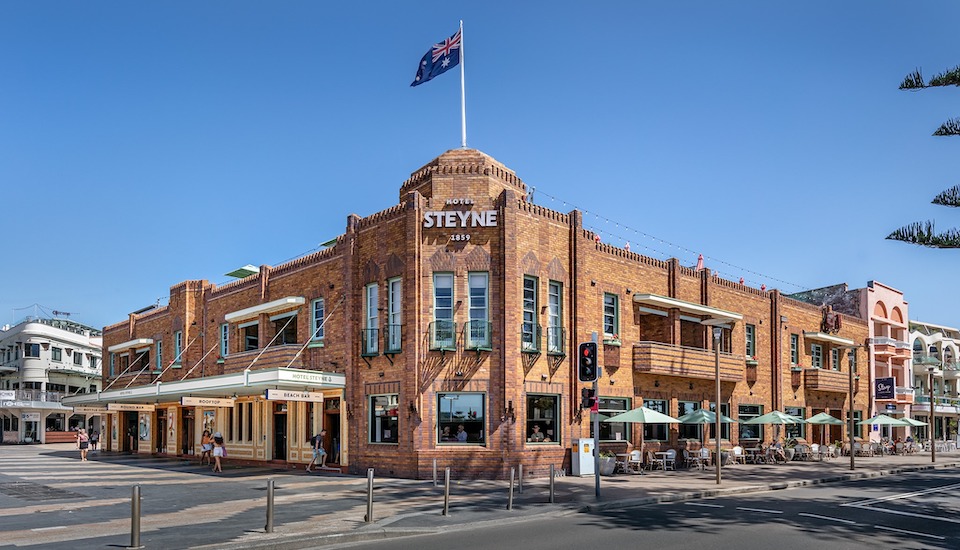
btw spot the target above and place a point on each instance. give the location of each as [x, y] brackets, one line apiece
[270, 488]
[135, 518]
[510, 498]
[434, 472]
[552, 476]
[446, 491]
[520, 480]
[369, 517]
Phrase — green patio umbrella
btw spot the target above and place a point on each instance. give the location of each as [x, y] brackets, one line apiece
[913, 422]
[642, 415]
[824, 419]
[882, 420]
[704, 416]
[775, 417]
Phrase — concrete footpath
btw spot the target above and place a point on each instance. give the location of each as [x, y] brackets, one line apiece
[50, 499]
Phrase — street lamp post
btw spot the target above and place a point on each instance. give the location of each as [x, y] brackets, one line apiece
[850, 423]
[717, 332]
[933, 423]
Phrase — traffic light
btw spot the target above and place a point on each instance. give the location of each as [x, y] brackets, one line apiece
[587, 398]
[587, 370]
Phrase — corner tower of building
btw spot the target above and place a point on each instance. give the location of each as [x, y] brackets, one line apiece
[463, 173]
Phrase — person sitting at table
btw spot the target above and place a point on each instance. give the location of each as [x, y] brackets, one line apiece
[536, 436]
[777, 450]
[461, 433]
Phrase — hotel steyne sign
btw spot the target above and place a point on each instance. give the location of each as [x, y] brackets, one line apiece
[459, 219]
[287, 395]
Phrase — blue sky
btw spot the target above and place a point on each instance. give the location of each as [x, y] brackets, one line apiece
[143, 144]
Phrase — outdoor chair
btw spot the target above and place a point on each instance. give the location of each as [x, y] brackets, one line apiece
[815, 451]
[670, 462]
[704, 456]
[692, 460]
[635, 462]
[900, 448]
[738, 455]
[654, 463]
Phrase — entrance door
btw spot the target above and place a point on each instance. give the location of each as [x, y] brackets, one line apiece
[129, 423]
[161, 437]
[280, 434]
[186, 430]
[331, 423]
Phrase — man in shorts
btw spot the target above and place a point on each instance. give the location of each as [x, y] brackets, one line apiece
[318, 451]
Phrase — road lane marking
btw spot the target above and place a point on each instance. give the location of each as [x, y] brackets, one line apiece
[827, 518]
[914, 533]
[909, 514]
[904, 495]
[704, 504]
[50, 528]
[759, 510]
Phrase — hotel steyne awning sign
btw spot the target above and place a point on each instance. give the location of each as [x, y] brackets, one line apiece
[287, 395]
[207, 402]
[131, 407]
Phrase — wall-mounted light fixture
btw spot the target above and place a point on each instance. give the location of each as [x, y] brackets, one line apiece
[593, 282]
[656, 383]
[412, 409]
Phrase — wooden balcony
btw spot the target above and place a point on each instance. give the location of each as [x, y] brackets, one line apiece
[670, 360]
[826, 380]
[274, 356]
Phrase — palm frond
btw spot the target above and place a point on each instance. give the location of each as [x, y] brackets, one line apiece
[923, 234]
[913, 81]
[950, 197]
[946, 78]
[949, 128]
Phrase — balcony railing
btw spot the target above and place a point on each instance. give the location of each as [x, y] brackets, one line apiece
[530, 338]
[826, 380]
[37, 395]
[478, 335]
[393, 339]
[556, 341]
[443, 335]
[672, 360]
[369, 342]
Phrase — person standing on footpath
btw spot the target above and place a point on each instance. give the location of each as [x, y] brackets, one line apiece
[219, 451]
[94, 440]
[318, 451]
[83, 441]
[206, 447]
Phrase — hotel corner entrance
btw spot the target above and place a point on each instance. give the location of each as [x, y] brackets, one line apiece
[331, 423]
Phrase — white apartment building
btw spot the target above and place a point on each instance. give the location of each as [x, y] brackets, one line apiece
[42, 361]
[936, 352]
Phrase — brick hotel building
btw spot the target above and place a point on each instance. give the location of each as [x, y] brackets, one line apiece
[445, 327]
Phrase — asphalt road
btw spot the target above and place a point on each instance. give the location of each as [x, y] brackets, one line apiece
[910, 511]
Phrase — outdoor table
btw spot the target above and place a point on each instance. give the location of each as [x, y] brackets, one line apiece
[755, 455]
[663, 455]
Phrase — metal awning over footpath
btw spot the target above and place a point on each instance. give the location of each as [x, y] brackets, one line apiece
[245, 383]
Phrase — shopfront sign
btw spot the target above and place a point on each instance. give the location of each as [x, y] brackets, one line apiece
[287, 395]
[89, 410]
[883, 388]
[30, 417]
[207, 402]
[8, 395]
[131, 407]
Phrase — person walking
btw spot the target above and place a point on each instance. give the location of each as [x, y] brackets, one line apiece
[94, 440]
[206, 447]
[318, 451]
[219, 451]
[83, 442]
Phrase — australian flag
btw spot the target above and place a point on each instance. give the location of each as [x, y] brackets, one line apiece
[439, 59]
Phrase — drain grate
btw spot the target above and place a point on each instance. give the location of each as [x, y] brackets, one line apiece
[34, 491]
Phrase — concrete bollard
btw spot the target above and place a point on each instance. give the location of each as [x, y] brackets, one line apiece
[369, 517]
[552, 477]
[135, 518]
[446, 491]
[434, 472]
[520, 480]
[510, 498]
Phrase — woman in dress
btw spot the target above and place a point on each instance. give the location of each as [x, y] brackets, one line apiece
[218, 451]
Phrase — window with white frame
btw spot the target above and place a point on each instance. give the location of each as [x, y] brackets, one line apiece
[224, 339]
[478, 332]
[251, 335]
[835, 359]
[529, 330]
[461, 418]
[724, 426]
[371, 339]
[112, 365]
[384, 418]
[284, 328]
[816, 356]
[394, 314]
[555, 343]
[751, 338]
[794, 349]
[543, 415]
[611, 316]
[31, 350]
[77, 358]
[749, 412]
[442, 333]
[177, 346]
[318, 316]
[612, 431]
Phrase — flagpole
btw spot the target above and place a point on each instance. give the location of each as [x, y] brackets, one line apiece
[463, 96]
